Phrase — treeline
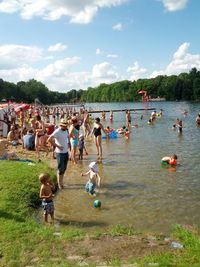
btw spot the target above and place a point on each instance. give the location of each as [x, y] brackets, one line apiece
[32, 91]
[185, 86]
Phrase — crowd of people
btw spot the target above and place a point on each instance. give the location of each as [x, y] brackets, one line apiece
[63, 131]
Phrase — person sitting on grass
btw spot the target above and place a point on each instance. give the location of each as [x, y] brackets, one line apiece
[29, 140]
[13, 134]
[4, 152]
[46, 194]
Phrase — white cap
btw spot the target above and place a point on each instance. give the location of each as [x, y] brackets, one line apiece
[93, 166]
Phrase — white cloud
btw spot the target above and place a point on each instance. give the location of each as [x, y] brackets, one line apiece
[182, 61]
[101, 52]
[174, 5]
[71, 80]
[98, 51]
[59, 76]
[117, 27]
[104, 73]
[58, 68]
[79, 11]
[17, 55]
[84, 16]
[59, 47]
[136, 71]
[10, 6]
[21, 63]
[112, 56]
[15, 75]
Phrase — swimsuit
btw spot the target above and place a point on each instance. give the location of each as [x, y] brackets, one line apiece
[48, 206]
[74, 141]
[97, 131]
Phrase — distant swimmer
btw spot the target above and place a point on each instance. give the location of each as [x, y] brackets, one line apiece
[128, 118]
[153, 115]
[198, 120]
[185, 112]
[121, 130]
[103, 115]
[180, 126]
[150, 121]
[111, 116]
[127, 133]
[170, 160]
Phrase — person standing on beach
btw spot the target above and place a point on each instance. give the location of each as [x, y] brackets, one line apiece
[73, 135]
[97, 136]
[60, 140]
[46, 194]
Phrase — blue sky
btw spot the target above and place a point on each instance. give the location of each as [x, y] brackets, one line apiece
[74, 44]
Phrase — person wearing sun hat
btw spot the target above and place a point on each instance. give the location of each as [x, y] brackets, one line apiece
[94, 178]
[60, 140]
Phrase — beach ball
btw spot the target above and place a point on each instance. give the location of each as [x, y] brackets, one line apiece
[97, 203]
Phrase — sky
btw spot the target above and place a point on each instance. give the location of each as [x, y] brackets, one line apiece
[76, 44]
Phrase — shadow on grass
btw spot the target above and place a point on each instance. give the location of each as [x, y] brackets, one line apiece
[10, 216]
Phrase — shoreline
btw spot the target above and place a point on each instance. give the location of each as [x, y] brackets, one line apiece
[51, 245]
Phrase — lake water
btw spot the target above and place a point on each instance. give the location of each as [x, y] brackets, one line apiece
[136, 190]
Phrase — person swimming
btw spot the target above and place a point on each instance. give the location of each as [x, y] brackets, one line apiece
[170, 160]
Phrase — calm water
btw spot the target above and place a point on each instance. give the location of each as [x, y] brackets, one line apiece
[136, 190]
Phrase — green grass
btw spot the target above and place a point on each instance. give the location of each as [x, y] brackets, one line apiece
[23, 241]
[26, 242]
[120, 229]
[188, 256]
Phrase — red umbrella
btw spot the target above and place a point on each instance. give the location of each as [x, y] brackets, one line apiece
[20, 106]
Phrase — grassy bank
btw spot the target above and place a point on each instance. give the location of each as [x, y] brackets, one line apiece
[26, 242]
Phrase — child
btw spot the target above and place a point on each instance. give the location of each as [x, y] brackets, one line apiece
[82, 147]
[126, 133]
[121, 130]
[170, 160]
[46, 195]
[107, 129]
[94, 179]
[150, 121]
[174, 127]
[180, 126]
